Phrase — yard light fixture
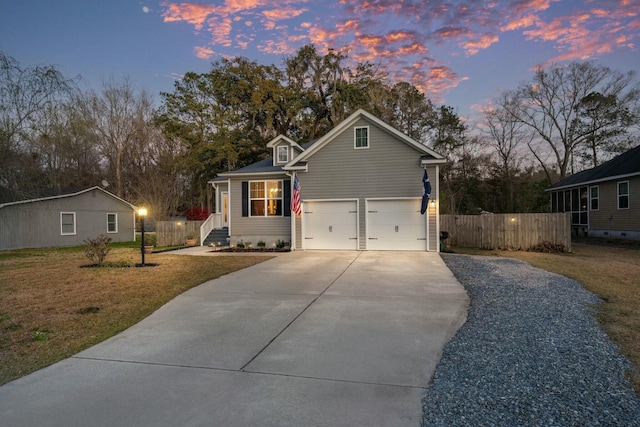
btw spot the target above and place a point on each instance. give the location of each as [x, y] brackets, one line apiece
[142, 212]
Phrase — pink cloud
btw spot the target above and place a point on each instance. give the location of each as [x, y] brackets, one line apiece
[203, 52]
[451, 32]
[402, 35]
[281, 14]
[194, 14]
[472, 47]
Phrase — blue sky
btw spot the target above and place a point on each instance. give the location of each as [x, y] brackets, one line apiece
[460, 53]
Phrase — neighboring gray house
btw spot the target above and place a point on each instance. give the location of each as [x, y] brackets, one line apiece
[604, 201]
[360, 189]
[66, 220]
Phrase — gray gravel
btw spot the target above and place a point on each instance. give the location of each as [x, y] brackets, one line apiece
[530, 354]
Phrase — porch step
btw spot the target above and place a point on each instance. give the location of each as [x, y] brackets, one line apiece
[217, 237]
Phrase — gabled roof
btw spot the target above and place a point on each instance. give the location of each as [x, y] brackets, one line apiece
[62, 196]
[260, 167]
[279, 138]
[349, 121]
[625, 165]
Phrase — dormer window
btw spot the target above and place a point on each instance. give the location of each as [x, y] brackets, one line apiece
[283, 154]
[361, 137]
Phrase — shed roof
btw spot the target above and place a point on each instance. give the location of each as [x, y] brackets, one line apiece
[625, 165]
[61, 196]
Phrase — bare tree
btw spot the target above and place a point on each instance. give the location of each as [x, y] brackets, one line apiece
[117, 117]
[26, 93]
[551, 106]
[506, 136]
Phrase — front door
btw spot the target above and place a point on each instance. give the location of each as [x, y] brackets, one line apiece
[225, 209]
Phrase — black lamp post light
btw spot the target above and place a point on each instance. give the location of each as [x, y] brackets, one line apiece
[142, 213]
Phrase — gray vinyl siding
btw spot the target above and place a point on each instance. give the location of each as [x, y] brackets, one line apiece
[608, 217]
[37, 224]
[254, 229]
[388, 168]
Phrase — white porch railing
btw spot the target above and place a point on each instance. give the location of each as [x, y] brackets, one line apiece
[214, 221]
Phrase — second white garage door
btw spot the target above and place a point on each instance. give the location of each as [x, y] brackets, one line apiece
[396, 225]
[331, 225]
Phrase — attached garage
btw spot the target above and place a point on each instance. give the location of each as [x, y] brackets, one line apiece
[395, 224]
[330, 224]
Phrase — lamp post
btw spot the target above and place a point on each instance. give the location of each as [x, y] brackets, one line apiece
[142, 212]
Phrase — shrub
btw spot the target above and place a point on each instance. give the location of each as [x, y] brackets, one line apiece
[97, 249]
[280, 244]
[261, 244]
[549, 247]
[196, 213]
[150, 240]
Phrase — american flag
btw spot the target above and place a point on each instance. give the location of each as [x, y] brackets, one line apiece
[295, 199]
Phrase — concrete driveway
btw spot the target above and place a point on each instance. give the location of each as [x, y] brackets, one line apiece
[303, 339]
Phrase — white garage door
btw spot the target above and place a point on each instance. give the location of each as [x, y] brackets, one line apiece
[395, 225]
[331, 225]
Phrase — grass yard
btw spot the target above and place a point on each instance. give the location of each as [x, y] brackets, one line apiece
[611, 271]
[52, 306]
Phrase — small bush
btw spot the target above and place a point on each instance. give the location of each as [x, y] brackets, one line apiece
[150, 240]
[261, 244]
[97, 249]
[280, 244]
[549, 247]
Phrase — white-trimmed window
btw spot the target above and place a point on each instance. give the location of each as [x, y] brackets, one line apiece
[265, 198]
[623, 195]
[67, 223]
[361, 135]
[283, 153]
[112, 223]
[594, 193]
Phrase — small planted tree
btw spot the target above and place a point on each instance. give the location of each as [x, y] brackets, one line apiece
[97, 249]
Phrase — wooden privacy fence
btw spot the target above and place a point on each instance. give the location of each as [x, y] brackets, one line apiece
[507, 231]
[173, 233]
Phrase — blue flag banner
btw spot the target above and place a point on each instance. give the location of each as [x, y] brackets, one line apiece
[426, 192]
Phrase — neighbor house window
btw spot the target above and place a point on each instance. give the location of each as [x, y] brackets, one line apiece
[283, 154]
[67, 223]
[265, 198]
[623, 195]
[595, 198]
[361, 137]
[112, 223]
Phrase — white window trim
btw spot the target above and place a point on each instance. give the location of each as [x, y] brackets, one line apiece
[284, 149]
[628, 195]
[355, 139]
[116, 222]
[74, 223]
[594, 198]
[265, 198]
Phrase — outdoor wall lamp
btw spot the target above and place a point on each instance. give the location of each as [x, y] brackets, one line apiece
[432, 203]
[142, 212]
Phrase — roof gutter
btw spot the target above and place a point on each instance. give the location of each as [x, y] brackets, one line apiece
[594, 181]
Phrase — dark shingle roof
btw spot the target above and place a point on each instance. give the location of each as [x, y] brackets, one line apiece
[625, 164]
[261, 166]
[264, 166]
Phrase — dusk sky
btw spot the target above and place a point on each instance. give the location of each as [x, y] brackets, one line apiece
[460, 53]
